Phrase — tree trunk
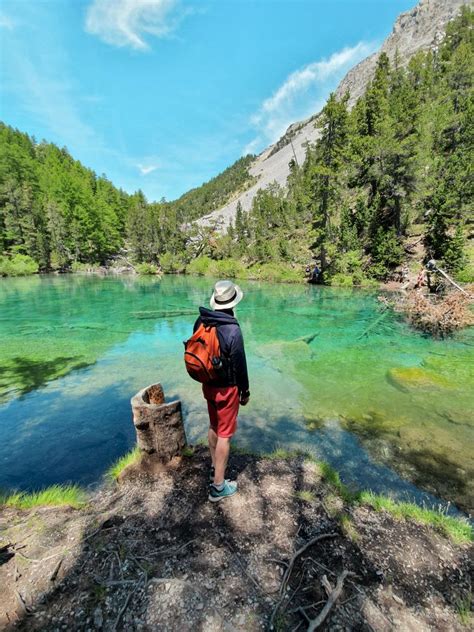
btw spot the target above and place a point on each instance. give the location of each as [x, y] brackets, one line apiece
[159, 425]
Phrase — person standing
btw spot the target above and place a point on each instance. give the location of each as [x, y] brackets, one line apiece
[225, 393]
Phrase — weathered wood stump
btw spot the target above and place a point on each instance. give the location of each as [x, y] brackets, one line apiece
[159, 425]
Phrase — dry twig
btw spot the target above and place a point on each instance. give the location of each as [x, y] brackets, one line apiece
[169, 552]
[286, 576]
[127, 600]
[333, 597]
[55, 572]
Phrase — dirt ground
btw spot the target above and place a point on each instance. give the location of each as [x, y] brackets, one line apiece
[157, 555]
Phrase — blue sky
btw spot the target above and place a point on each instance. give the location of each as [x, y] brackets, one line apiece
[162, 95]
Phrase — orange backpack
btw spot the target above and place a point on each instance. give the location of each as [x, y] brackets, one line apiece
[202, 355]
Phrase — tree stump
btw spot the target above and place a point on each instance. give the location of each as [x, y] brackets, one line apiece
[159, 425]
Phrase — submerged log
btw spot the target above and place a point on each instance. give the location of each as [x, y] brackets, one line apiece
[159, 425]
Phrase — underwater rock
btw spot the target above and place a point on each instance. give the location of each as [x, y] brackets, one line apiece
[286, 351]
[313, 423]
[159, 425]
[414, 377]
[372, 425]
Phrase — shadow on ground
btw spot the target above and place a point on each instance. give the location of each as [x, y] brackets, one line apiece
[157, 555]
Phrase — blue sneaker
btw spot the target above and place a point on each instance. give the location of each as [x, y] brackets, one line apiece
[229, 489]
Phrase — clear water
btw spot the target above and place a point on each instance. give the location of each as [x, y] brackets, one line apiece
[388, 408]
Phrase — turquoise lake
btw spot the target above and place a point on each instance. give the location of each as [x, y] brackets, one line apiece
[391, 409]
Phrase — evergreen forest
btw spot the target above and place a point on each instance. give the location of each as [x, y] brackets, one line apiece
[389, 178]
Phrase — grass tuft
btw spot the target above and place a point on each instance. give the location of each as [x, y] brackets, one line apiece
[237, 449]
[458, 529]
[124, 461]
[463, 607]
[348, 528]
[54, 496]
[306, 495]
[279, 452]
[331, 476]
[188, 450]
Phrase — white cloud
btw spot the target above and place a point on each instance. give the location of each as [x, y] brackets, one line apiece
[125, 22]
[303, 93]
[6, 22]
[146, 169]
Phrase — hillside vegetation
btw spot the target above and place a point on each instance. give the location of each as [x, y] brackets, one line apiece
[398, 164]
[390, 177]
[55, 213]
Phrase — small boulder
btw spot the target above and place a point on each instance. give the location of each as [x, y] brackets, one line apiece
[414, 377]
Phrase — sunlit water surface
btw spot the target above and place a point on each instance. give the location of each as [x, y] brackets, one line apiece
[386, 406]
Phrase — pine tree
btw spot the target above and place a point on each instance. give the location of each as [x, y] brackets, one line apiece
[325, 174]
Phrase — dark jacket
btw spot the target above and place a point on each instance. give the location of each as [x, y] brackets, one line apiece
[232, 348]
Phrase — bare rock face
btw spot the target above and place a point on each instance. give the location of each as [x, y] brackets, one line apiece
[420, 28]
[159, 425]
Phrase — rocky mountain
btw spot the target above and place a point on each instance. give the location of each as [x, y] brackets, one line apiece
[418, 29]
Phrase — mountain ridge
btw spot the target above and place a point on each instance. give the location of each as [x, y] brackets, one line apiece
[417, 29]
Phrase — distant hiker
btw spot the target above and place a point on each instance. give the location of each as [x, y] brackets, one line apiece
[215, 356]
[315, 274]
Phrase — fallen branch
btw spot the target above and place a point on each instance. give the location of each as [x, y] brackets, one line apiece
[54, 574]
[127, 600]
[21, 602]
[275, 561]
[383, 315]
[307, 339]
[333, 597]
[36, 561]
[310, 605]
[286, 576]
[169, 552]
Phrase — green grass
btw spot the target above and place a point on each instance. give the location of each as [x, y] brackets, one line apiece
[187, 451]
[348, 528]
[458, 529]
[56, 495]
[331, 476]
[124, 461]
[463, 607]
[237, 449]
[279, 452]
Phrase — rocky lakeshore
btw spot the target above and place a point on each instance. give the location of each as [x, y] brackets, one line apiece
[289, 552]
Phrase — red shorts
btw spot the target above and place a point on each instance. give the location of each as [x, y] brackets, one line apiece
[223, 407]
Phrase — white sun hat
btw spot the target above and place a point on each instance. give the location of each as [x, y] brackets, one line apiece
[226, 295]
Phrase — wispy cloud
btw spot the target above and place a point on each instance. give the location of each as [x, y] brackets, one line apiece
[50, 97]
[6, 22]
[146, 169]
[127, 22]
[303, 93]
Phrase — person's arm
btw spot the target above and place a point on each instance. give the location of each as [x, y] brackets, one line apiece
[239, 363]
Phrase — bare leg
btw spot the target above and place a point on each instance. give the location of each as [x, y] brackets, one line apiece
[221, 457]
[212, 440]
